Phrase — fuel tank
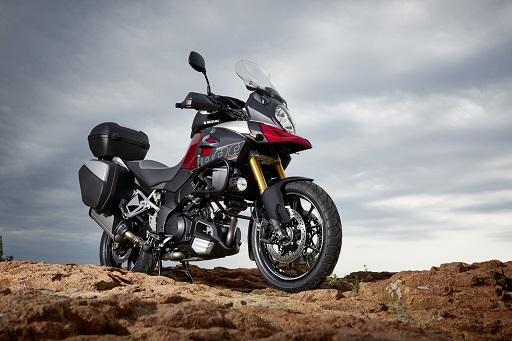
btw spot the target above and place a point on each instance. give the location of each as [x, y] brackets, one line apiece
[226, 140]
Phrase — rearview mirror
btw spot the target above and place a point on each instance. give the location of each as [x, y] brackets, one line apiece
[197, 62]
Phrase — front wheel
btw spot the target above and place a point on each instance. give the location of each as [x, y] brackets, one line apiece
[315, 240]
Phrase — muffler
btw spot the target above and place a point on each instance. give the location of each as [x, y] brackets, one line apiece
[104, 222]
[122, 231]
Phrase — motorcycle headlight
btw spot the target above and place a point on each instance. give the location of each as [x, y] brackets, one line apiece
[285, 119]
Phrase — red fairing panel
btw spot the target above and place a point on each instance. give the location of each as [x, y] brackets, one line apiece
[275, 135]
[190, 159]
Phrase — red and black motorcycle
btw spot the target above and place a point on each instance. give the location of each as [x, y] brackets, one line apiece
[235, 163]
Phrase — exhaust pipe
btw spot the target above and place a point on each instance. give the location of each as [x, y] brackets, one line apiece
[122, 230]
[231, 232]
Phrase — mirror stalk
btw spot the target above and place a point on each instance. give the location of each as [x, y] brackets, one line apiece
[208, 88]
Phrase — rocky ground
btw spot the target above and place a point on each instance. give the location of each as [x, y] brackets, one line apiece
[87, 302]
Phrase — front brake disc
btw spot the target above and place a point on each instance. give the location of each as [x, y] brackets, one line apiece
[286, 253]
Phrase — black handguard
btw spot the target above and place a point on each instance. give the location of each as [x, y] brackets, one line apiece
[198, 101]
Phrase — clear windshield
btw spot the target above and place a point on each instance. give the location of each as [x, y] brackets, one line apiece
[254, 76]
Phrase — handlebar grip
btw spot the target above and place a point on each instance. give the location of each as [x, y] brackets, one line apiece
[178, 105]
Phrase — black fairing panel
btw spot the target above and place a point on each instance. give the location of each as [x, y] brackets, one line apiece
[179, 180]
[176, 191]
[205, 120]
[219, 142]
[261, 108]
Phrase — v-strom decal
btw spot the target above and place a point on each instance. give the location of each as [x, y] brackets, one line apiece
[229, 152]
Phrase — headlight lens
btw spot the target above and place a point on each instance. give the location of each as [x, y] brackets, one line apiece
[285, 119]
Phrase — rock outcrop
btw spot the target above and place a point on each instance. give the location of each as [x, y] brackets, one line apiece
[452, 301]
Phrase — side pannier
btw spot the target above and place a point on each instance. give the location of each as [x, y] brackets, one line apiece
[103, 184]
[109, 139]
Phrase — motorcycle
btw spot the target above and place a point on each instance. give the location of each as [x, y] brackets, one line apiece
[235, 163]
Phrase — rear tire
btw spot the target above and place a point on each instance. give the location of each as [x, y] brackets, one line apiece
[316, 236]
[125, 256]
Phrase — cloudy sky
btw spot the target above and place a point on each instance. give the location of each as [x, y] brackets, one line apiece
[408, 105]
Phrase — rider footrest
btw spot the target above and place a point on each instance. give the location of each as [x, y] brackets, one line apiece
[165, 271]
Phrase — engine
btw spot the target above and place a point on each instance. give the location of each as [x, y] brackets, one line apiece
[210, 235]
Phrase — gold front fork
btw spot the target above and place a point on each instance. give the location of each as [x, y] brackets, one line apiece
[280, 170]
[258, 174]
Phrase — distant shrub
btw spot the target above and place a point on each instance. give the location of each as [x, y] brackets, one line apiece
[2, 258]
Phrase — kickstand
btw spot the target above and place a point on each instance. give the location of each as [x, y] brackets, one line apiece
[185, 271]
[164, 271]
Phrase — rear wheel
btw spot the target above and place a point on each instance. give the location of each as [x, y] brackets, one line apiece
[315, 233]
[125, 255]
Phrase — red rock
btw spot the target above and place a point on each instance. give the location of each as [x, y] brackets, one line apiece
[318, 295]
[52, 301]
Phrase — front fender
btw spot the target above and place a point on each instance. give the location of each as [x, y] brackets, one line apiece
[274, 205]
[281, 182]
[273, 200]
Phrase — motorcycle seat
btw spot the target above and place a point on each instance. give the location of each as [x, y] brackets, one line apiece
[152, 172]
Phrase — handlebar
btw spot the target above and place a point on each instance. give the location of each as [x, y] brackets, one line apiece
[197, 101]
[231, 106]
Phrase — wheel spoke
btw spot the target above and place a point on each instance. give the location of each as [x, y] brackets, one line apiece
[314, 248]
[308, 215]
[306, 261]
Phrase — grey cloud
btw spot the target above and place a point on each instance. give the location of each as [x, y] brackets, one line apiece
[505, 236]
[400, 100]
[399, 45]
